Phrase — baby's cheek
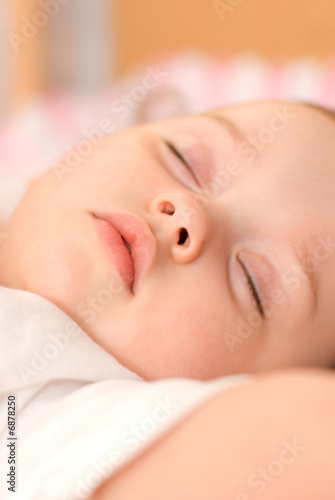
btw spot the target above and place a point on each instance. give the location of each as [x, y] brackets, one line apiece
[56, 271]
[180, 334]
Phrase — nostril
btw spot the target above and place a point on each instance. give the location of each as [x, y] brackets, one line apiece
[167, 208]
[183, 236]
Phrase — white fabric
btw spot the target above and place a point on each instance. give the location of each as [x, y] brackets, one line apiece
[80, 414]
[12, 190]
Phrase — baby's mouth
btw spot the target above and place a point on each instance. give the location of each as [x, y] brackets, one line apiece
[121, 230]
[126, 245]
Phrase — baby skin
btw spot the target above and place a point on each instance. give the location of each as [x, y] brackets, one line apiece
[195, 247]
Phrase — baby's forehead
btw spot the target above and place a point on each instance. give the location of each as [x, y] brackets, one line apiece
[312, 123]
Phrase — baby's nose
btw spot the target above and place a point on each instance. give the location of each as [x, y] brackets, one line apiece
[181, 223]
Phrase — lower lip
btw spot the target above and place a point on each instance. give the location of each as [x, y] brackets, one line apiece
[117, 251]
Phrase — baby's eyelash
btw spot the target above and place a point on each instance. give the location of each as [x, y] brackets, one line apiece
[183, 160]
[255, 295]
[253, 289]
[178, 154]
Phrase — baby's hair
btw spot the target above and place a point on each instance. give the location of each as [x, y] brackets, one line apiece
[329, 112]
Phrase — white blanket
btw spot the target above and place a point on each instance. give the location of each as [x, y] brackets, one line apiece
[80, 415]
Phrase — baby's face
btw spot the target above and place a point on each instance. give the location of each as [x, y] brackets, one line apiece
[252, 206]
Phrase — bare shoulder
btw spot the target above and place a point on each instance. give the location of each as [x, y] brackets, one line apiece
[272, 437]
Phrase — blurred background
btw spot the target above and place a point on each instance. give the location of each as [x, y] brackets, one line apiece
[85, 45]
[66, 65]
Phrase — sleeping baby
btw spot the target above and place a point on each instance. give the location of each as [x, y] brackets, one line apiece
[196, 247]
[193, 248]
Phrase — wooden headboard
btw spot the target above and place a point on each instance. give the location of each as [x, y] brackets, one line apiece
[26, 60]
[271, 28]
[146, 28]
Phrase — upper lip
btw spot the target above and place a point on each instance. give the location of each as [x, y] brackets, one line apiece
[137, 234]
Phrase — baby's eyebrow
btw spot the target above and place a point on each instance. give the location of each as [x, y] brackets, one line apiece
[330, 113]
[299, 250]
[227, 125]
